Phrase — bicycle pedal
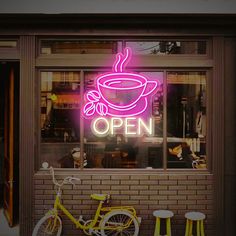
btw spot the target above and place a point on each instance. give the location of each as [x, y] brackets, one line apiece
[139, 219]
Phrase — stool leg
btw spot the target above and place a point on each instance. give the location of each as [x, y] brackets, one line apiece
[187, 228]
[202, 229]
[158, 227]
[190, 228]
[198, 228]
[168, 227]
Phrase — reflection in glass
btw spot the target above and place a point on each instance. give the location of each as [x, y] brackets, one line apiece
[79, 47]
[186, 119]
[60, 107]
[8, 43]
[167, 47]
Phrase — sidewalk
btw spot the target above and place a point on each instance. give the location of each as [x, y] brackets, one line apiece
[5, 230]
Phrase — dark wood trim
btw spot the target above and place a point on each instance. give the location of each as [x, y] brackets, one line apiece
[89, 24]
[230, 131]
[209, 111]
[218, 132]
[219, 20]
[100, 60]
[82, 76]
[9, 55]
[27, 133]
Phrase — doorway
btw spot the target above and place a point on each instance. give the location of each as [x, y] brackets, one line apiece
[9, 141]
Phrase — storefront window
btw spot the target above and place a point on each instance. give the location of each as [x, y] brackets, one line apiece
[84, 127]
[167, 47]
[186, 119]
[79, 47]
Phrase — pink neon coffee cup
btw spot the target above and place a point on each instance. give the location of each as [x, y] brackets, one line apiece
[123, 90]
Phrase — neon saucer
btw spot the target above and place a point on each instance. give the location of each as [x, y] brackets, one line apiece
[134, 110]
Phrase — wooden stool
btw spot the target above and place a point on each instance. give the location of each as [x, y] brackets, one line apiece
[162, 214]
[191, 217]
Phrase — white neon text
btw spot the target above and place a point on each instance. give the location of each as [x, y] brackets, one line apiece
[129, 126]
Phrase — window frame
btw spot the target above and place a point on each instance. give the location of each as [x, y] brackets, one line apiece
[171, 62]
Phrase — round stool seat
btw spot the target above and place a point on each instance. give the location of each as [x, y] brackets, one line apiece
[195, 216]
[164, 214]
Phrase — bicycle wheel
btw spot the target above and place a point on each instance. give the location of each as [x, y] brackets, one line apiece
[115, 222]
[48, 225]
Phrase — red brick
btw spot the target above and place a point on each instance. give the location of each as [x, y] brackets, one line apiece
[187, 182]
[148, 182]
[177, 187]
[139, 197]
[129, 182]
[168, 182]
[91, 182]
[101, 177]
[196, 207]
[196, 177]
[120, 187]
[130, 192]
[168, 202]
[159, 177]
[129, 202]
[139, 187]
[140, 177]
[186, 192]
[158, 197]
[101, 187]
[206, 192]
[196, 197]
[43, 187]
[177, 197]
[168, 192]
[158, 187]
[186, 202]
[148, 192]
[119, 177]
[178, 177]
[110, 182]
[121, 197]
[197, 187]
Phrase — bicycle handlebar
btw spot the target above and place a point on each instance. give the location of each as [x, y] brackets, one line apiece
[68, 179]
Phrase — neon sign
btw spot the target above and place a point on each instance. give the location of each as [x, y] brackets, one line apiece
[120, 100]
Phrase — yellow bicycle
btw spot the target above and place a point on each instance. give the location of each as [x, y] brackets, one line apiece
[119, 220]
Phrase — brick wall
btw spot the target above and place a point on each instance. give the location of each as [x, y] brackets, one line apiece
[179, 193]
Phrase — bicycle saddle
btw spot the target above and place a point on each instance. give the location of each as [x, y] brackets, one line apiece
[99, 197]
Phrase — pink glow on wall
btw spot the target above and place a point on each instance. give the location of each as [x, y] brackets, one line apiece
[119, 93]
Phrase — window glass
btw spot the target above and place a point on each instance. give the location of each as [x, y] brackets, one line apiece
[8, 43]
[79, 47]
[60, 107]
[186, 120]
[167, 47]
[120, 150]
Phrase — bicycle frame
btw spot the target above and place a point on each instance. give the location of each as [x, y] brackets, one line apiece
[58, 205]
[77, 222]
